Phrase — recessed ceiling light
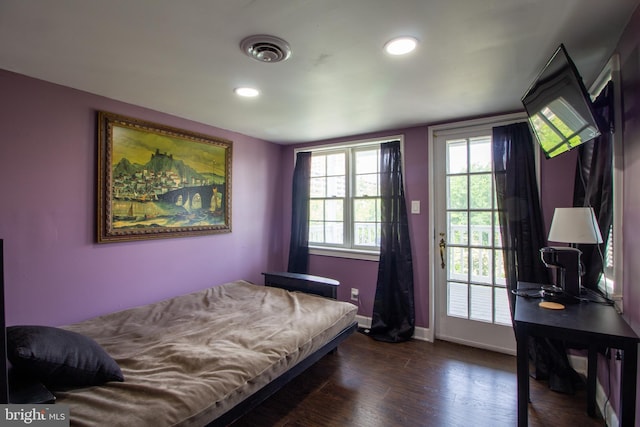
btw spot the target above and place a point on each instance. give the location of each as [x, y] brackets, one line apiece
[400, 45]
[246, 92]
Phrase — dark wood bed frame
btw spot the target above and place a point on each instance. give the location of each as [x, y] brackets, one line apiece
[289, 281]
[293, 282]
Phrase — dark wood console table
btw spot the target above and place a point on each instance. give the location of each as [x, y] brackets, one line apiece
[590, 324]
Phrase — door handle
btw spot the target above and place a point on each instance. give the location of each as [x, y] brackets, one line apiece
[443, 246]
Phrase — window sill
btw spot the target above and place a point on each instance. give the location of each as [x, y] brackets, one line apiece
[614, 296]
[345, 253]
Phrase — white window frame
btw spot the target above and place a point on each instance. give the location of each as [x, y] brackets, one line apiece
[339, 251]
[612, 282]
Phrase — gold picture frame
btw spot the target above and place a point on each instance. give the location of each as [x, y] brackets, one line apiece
[155, 181]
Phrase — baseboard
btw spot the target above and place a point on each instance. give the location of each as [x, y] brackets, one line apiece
[579, 363]
[420, 333]
[478, 344]
[363, 322]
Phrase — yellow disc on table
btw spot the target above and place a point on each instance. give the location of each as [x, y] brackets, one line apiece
[551, 305]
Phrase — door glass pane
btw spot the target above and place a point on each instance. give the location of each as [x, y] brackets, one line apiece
[500, 274]
[457, 156]
[457, 230]
[497, 237]
[481, 303]
[480, 154]
[458, 298]
[480, 191]
[457, 192]
[481, 266]
[458, 262]
[503, 314]
[481, 230]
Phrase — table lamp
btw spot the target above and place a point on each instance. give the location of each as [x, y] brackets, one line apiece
[570, 225]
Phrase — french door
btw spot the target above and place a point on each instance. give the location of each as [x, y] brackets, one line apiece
[471, 301]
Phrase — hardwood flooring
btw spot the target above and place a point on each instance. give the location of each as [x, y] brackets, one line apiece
[372, 384]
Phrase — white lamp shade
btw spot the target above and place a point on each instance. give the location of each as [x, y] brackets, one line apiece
[574, 225]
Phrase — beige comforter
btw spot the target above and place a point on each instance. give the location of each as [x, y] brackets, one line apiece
[189, 359]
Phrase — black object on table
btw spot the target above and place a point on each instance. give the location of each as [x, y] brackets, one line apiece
[588, 323]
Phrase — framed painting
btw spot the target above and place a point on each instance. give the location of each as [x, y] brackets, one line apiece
[156, 181]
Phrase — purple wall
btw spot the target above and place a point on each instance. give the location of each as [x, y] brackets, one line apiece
[556, 184]
[629, 50]
[54, 272]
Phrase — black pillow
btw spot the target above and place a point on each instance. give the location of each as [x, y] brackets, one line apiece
[58, 357]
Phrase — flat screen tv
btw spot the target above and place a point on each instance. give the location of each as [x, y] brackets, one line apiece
[559, 108]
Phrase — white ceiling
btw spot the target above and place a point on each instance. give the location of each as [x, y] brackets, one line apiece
[476, 57]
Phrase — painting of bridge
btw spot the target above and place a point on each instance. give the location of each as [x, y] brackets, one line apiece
[156, 181]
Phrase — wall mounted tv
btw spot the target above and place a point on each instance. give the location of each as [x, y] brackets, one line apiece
[559, 108]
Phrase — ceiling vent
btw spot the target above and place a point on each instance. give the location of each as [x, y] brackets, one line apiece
[266, 48]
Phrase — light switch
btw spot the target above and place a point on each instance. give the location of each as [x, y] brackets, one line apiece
[415, 206]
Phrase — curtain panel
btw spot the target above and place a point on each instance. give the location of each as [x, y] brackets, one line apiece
[523, 232]
[299, 243]
[393, 317]
[594, 185]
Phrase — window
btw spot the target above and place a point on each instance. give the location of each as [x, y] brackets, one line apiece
[344, 210]
[612, 280]
[475, 269]
[607, 280]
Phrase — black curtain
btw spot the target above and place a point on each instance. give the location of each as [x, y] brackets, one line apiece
[520, 216]
[299, 244]
[523, 234]
[393, 317]
[594, 184]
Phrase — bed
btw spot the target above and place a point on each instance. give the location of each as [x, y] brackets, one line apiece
[208, 357]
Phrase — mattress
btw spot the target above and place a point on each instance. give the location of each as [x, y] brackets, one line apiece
[189, 359]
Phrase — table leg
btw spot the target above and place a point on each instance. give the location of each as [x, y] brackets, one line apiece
[592, 376]
[522, 360]
[628, 385]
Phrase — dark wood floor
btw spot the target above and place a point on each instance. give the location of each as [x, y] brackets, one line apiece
[370, 384]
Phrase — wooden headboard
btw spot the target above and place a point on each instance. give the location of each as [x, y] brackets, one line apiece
[307, 283]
